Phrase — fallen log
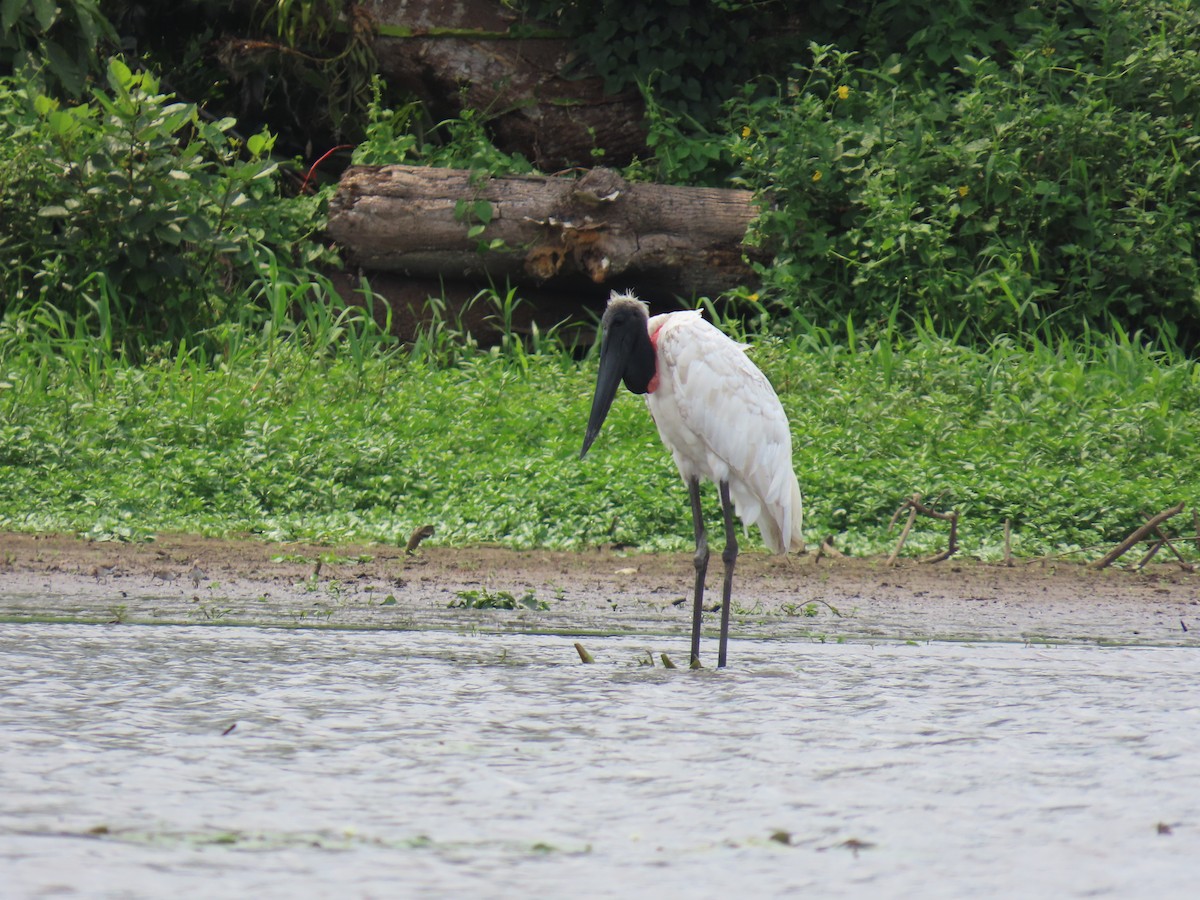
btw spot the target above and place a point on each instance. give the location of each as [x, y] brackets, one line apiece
[534, 229]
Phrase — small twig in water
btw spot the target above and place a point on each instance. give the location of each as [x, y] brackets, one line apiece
[833, 609]
[584, 656]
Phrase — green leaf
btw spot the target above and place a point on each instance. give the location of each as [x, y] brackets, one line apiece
[175, 117]
[43, 105]
[45, 11]
[62, 123]
[67, 67]
[10, 11]
[119, 75]
[483, 211]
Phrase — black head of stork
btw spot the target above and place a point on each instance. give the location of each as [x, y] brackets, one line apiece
[626, 354]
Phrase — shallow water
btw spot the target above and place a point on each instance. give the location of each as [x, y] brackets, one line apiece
[430, 763]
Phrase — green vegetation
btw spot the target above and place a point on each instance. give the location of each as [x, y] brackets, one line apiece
[285, 439]
[488, 599]
[983, 286]
[1054, 188]
[53, 43]
[133, 219]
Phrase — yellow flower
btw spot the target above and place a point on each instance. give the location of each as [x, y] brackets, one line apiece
[745, 131]
[816, 176]
[843, 92]
[963, 190]
[753, 298]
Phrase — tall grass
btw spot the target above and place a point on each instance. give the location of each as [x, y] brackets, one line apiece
[315, 427]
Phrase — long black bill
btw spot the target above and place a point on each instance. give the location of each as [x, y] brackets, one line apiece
[614, 355]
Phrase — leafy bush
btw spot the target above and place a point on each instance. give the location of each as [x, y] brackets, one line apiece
[695, 51]
[1054, 189]
[135, 212]
[53, 43]
[396, 135]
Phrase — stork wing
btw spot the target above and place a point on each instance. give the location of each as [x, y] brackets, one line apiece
[731, 409]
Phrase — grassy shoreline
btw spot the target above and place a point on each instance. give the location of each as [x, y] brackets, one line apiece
[1074, 443]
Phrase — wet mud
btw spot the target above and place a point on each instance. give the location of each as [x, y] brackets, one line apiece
[194, 580]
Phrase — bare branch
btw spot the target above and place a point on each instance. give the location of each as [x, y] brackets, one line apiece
[1137, 536]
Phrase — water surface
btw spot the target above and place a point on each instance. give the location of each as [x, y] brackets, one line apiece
[409, 763]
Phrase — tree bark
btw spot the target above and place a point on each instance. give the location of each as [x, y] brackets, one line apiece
[521, 75]
[535, 230]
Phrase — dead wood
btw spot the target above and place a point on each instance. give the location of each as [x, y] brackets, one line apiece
[914, 506]
[1170, 545]
[1137, 536]
[827, 548]
[535, 229]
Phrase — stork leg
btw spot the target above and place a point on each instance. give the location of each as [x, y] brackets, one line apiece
[729, 557]
[701, 563]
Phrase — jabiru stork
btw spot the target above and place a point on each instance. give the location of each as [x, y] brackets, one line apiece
[720, 418]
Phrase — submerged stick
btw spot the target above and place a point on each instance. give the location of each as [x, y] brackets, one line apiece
[584, 656]
[1137, 536]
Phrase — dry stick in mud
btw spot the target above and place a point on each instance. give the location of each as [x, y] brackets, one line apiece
[1150, 554]
[914, 506]
[827, 549]
[1163, 540]
[1137, 536]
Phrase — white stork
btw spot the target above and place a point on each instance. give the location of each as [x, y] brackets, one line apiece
[719, 417]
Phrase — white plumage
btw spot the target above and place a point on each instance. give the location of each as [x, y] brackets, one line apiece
[722, 421]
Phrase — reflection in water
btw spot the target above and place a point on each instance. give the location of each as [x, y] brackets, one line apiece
[389, 763]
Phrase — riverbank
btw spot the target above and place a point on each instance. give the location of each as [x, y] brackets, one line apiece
[183, 579]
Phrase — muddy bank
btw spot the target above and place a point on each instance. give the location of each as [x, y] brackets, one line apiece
[186, 579]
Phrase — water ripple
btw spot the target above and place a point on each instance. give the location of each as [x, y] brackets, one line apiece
[393, 763]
